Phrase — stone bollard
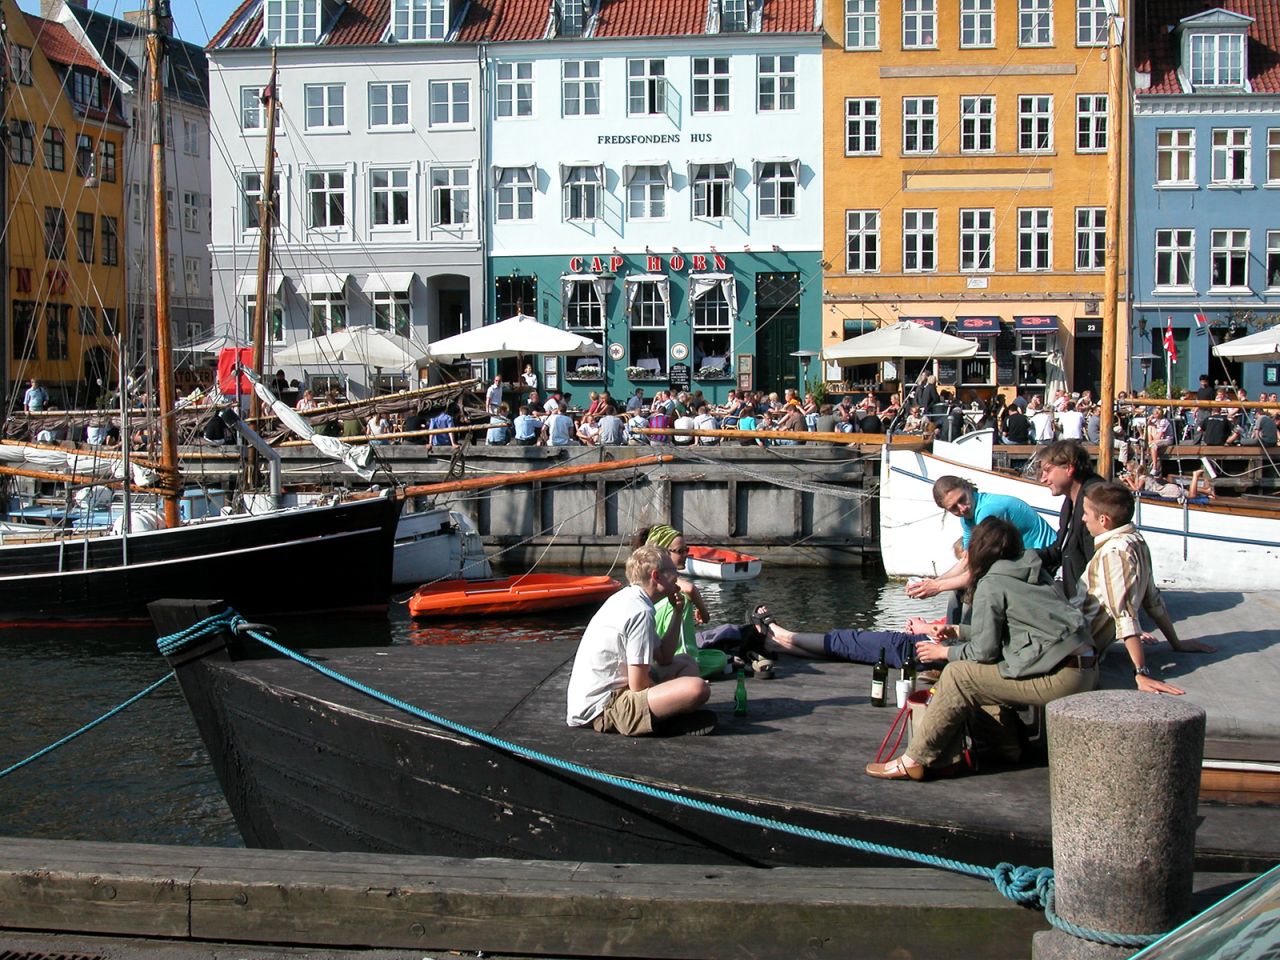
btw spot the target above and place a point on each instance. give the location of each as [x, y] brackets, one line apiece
[1124, 782]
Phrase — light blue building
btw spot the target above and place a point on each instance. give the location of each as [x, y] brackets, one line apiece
[1206, 187]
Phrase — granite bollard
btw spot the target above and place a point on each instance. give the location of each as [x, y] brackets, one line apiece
[1124, 783]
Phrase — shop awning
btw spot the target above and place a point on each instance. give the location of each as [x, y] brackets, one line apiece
[629, 170]
[929, 323]
[663, 285]
[313, 283]
[247, 285]
[387, 282]
[1036, 324]
[566, 169]
[500, 169]
[792, 162]
[977, 326]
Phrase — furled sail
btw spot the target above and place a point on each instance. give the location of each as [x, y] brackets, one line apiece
[72, 462]
[356, 458]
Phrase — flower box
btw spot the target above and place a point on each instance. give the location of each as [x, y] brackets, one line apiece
[644, 373]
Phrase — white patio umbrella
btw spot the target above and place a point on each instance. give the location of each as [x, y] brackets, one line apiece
[363, 344]
[1263, 345]
[513, 337]
[902, 341]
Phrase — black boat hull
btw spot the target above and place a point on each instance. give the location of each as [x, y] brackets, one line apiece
[254, 561]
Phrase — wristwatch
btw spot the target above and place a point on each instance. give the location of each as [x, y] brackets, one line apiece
[1142, 671]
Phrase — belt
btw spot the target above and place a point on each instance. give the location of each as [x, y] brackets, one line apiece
[1078, 662]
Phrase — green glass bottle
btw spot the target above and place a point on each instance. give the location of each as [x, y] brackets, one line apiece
[740, 696]
[879, 680]
[909, 668]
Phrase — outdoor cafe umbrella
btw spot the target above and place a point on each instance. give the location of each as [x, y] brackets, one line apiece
[1263, 345]
[364, 344]
[901, 341]
[516, 336]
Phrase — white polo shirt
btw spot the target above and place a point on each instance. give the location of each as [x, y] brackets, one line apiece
[621, 634]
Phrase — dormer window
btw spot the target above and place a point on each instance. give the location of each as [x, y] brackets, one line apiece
[735, 16]
[1217, 60]
[572, 17]
[292, 22]
[86, 89]
[419, 19]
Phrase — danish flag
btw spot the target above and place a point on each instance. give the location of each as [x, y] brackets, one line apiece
[1169, 346]
[1201, 320]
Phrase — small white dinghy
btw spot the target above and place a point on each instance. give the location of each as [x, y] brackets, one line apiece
[715, 563]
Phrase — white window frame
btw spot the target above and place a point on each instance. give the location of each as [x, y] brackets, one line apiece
[775, 83]
[647, 192]
[1035, 123]
[1176, 151]
[582, 193]
[977, 24]
[1091, 23]
[710, 81]
[1230, 247]
[919, 241]
[1273, 156]
[389, 105]
[919, 24]
[253, 112]
[1091, 122]
[735, 16]
[777, 189]
[1217, 60]
[583, 309]
[451, 205]
[978, 124]
[1175, 266]
[1272, 279]
[513, 90]
[454, 96]
[1035, 239]
[1232, 147]
[919, 125]
[646, 87]
[711, 191]
[190, 211]
[326, 107]
[580, 88]
[291, 22]
[862, 122]
[1091, 239]
[977, 240]
[385, 185]
[327, 312]
[190, 138]
[191, 276]
[862, 241]
[328, 186]
[513, 189]
[862, 24]
[419, 19]
[392, 311]
[1035, 23]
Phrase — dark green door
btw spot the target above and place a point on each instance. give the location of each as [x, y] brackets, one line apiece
[777, 332]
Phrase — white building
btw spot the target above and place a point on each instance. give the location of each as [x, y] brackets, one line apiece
[657, 186]
[377, 166]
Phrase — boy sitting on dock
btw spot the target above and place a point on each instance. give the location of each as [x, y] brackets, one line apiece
[1118, 581]
[628, 680]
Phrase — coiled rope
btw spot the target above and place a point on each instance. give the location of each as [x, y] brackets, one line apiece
[1027, 886]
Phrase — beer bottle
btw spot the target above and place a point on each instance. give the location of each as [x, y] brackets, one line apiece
[879, 679]
[909, 668]
[740, 697]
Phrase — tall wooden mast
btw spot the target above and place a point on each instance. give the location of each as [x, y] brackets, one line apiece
[1115, 113]
[266, 228]
[157, 37]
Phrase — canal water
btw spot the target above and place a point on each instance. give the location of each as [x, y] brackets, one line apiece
[143, 776]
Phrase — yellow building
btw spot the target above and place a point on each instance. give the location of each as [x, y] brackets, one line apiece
[62, 246]
[966, 184]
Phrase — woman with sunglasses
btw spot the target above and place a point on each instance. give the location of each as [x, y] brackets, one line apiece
[668, 538]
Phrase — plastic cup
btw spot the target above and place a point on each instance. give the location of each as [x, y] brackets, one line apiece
[902, 690]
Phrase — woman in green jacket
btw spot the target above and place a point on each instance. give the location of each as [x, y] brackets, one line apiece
[1024, 646]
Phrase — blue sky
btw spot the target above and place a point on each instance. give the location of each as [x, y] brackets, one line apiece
[192, 21]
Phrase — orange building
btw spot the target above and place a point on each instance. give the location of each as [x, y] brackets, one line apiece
[62, 245]
[966, 184]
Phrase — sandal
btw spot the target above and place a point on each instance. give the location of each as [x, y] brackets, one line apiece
[763, 665]
[895, 769]
[759, 616]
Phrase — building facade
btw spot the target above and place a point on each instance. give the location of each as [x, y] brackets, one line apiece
[119, 46]
[966, 172]
[62, 243]
[378, 172]
[656, 185]
[1206, 160]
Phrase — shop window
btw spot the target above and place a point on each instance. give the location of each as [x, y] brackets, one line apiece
[648, 312]
[513, 295]
[713, 316]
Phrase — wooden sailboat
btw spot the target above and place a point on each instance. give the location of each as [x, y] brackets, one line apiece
[102, 575]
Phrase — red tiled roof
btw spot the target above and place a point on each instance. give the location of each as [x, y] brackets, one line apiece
[365, 21]
[57, 44]
[1156, 47]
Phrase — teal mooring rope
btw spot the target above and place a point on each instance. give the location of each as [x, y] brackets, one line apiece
[1027, 886]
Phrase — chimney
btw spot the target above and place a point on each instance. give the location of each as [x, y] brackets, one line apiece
[49, 9]
[142, 20]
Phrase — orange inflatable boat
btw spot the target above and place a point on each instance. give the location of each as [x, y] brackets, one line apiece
[510, 595]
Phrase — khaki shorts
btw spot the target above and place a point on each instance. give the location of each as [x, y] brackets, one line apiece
[627, 713]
